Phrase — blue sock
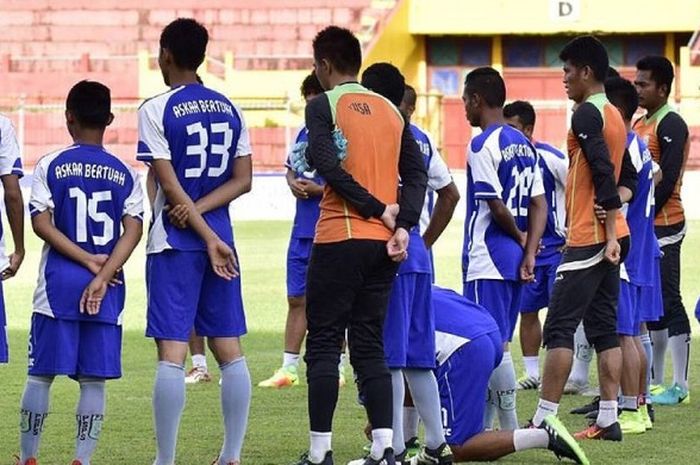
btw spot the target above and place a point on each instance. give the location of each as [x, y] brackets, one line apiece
[33, 411]
[89, 417]
[168, 403]
[235, 404]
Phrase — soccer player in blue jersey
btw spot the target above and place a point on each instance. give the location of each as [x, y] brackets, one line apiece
[554, 165]
[87, 206]
[307, 188]
[637, 289]
[10, 172]
[469, 348]
[506, 216]
[409, 340]
[197, 145]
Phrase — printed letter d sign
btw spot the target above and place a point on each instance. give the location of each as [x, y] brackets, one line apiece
[564, 10]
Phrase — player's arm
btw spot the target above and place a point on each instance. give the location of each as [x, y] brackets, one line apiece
[43, 226]
[151, 187]
[672, 133]
[322, 154]
[132, 223]
[10, 172]
[587, 124]
[240, 183]
[440, 180]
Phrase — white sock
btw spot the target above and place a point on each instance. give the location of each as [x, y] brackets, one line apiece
[504, 387]
[199, 361]
[426, 397]
[532, 366]
[607, 413]
[680, 355]
[89, 417]
[411, 419]
[381, 440]
[646, 343]
[33, 411]
[398, 393]
[290, 359]
[545, 408]
[583, 354]
[659, 341]
[320, 444]
[629, 403]
[533, 438]
[490, 410]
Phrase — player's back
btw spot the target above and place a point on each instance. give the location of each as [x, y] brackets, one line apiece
[457, 321]
[639, 213]
[198, 130]
[583, 228]
[88, 190]
[373, 128]
[502, 164]
[554, 166]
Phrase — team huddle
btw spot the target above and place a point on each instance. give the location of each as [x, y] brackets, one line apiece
[593, 235]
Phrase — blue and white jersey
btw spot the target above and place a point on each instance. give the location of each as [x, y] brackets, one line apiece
[10, 163]
[501, 164]
[554, 167]
[438, 174]
[457, 321]
[419, 259]
[640, 217]
[307, 210]
[88, 191]
[201, 133]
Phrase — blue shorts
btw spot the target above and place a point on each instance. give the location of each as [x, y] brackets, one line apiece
[74, 348]
[652, 301]
[409, 327]
[628, 309]
[463, 381]
[184, 293]
[535, 296]
[298, 255]
[500, 298]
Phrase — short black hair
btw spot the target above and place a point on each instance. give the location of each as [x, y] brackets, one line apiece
[523, 110]
[340, 47]
[90, 103]
[386, 80]
[488, 83]
[623, 95]
[661, 70]
[612, 72]
[409, 95]
[187, 40]
[587, 51]
[311, 86]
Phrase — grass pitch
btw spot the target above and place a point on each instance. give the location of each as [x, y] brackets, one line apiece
[277, 431]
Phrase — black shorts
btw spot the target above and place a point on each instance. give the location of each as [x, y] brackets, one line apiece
[586, 288]
[675, 318]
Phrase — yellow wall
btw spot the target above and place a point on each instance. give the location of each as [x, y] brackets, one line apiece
[533, 16]
[394, 44]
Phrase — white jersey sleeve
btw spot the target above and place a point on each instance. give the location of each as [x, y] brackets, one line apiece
[10, 161]
[152, 142]
[40, 199]
[243, 149]
[438, 174]
[133, 205]
[484, 171]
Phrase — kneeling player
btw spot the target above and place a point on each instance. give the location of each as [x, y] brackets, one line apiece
[468, 349]
[82, 197]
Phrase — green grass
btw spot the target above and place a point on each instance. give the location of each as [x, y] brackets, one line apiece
[277, 431]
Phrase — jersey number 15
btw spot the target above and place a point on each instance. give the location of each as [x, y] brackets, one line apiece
[85, 207]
